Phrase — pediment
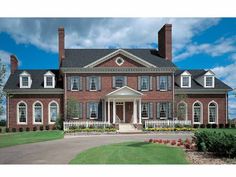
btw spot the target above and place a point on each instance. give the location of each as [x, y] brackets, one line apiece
[124, 92]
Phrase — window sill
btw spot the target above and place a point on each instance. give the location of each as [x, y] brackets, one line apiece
[93, 90]
[196, 122]
[163, 118]
[38, 123]
[93, 118]
[145, 118]
[21, 123]
[163, 90]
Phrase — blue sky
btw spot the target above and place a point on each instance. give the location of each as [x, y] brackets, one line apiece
[198, 43]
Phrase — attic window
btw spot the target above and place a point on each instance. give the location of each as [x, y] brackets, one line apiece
[25, 80]
[209, 81]
[186, 80]
[49, 80]
[119, 61]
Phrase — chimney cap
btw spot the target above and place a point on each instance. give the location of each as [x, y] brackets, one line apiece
[61, 28]
[12, 56]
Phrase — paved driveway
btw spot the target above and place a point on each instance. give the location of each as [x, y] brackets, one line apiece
[63, 150]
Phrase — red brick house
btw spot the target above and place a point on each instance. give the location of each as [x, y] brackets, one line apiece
[115, 85]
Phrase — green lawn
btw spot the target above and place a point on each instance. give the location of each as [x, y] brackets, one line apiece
[11, 139]
[226, 130]
[132, 153]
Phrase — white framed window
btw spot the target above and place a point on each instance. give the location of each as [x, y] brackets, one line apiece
[21, 113]
[145, 110]
[93, 83]
[163, 110]
[209, 81]
[144, 83]
[93, 110]
[119, 61]
[182, 113]
[37, 113]
[25, 80]
[212, 112]
[75, 83]
[163, 83]
[197, 112]
[119, 81]
[185, 80]
[53, 112]
[49, 80]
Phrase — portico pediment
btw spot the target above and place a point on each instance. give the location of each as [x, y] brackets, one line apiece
[124, 91]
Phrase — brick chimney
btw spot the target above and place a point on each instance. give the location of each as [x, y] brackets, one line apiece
[165, 42]
[14, 63]
[61, 45]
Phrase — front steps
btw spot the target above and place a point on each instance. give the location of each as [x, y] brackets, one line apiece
[128, 128]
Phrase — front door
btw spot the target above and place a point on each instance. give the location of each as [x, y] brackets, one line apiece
[119, 111]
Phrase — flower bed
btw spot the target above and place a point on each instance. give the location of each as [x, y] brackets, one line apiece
[91, 130]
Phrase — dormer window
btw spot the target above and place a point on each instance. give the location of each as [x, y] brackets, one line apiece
[25, 80]
[209, 80]
[185, 80]
[49, 80]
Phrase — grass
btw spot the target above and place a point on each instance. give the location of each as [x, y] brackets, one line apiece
[132, 153]
[226, 130]
[11, 139]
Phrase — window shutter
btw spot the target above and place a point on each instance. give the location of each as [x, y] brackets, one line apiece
[170, 110]
[158, 82]
[81, 110]
[169, 82]
[99, 109]
[158, 110]
[87, 81]
[150, 81]
[80, 83]
[139, 82]
[99, 82]
[125, 80]
[113, 81]
[151, 110]
[88, 112]
[69, 83]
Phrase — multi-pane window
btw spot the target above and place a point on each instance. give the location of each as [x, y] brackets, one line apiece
[93, 110]
[38, 112]
[53, 112]
[212, 113]
[163, 110]
[182, 111]
[145, 112]
[22, 113]
[144, 83]
[119, 81]
[197, 112]
[74, 83]
[49, 81]
[209, 81]
[93, 83]
[25, 81]
[185, 81]
[163, 83]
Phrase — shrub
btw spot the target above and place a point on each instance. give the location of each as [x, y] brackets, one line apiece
[202, 126]
[2, 123]
[173, 142]
[187, 145]
[179, 126]
[196, 126]
[27, 129]
[226, 125]
[0, 130]
[41, 127]
[59, 124]
[221, 126]
[13, 129]
[35, 128]
[232, 125]
[7, 130]
[47, 127]
[54, 127]
[21, 129]
[150, 140]
[214, 125]
[209, 126]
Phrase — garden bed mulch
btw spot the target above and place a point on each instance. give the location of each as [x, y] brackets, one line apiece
[196, 157]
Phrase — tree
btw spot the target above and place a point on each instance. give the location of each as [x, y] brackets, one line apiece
[2, 79]
[72, 108]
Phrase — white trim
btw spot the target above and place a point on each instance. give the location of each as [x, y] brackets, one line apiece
[37, 123]
[124, 112]
[123, 52]
[124, 88]
[122, 61]
[49, 111]
[213, 82]
[25, 74]
[49, 74]
[145, 118]
[17, 112]
[189, 81]
[186, 107]
[217, 112]
[201, 116]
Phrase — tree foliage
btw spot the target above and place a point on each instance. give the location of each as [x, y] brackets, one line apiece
[2, 79]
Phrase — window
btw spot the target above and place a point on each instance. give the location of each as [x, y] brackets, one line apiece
[182, 111]
[145, 112]
[119, 81]
[49, 80]
[163, 110]
[186, 81]
[93, 110]
[144, 83]
[53, 112]
[197, 112]
[212, 109]
[93, 83]
[25, 81]
[22, 113]
[163, 83]
[74, 83]
[119, 61]
[38, 113]
[209, 81]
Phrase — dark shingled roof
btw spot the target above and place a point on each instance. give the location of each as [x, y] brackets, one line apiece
[195, 85]
[83, 57]
[37, 77]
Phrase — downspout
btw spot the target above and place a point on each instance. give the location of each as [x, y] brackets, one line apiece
[226, 102]
[7, 111]
[65, 97]
[173, 92]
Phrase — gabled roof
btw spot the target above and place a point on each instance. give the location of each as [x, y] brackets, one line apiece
[84, 57]
[124, 91]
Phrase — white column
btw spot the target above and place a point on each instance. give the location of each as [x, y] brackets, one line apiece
[105, 110]
[114, 111]
[140, 111]
[135, 112]
[124, 112]
[108, 111]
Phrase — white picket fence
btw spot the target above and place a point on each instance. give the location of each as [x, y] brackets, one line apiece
[68, 124]
[165, 123]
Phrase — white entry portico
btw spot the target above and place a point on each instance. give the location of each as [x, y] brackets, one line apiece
[122, 96]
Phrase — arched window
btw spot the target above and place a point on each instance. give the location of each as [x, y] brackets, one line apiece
[182, 111]
[53, 112]
[212, 112]
[22, 113]
[197, 112]
[38, 113]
